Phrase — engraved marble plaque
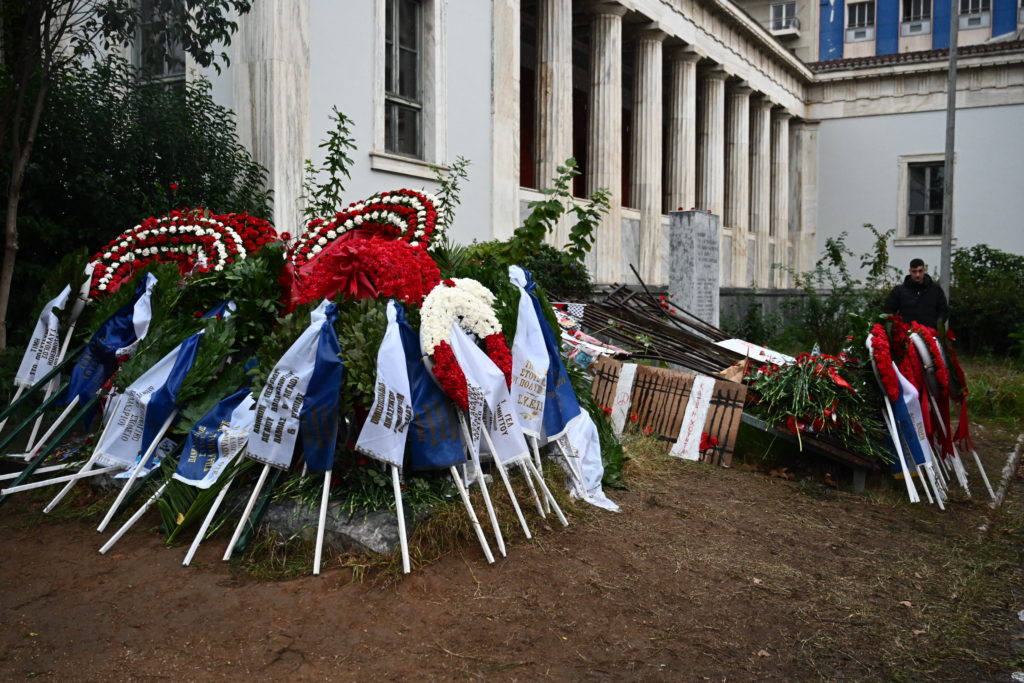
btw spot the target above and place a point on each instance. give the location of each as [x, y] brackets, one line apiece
[694, 263]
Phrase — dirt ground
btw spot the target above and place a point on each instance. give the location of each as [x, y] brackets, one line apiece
[705, 574]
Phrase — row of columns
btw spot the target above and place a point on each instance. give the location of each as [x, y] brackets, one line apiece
[731, 157]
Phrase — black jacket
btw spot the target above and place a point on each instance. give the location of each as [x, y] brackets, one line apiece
[924, 303]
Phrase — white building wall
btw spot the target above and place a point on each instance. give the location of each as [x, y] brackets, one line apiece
[858, 178]
[343, 71]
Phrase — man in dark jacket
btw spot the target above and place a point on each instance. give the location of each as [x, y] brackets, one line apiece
[919, 298]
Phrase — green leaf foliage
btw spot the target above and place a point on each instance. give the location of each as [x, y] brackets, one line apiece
[987, 299]
[109, 148]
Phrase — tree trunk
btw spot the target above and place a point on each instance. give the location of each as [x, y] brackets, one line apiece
[20, 155]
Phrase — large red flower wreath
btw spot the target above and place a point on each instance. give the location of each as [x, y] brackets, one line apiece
[883, 361]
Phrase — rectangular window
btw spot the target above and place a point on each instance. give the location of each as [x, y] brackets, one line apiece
[860, 15]
[975, 6]
[924, 199]
[403, 97]
[916, 10]
[158, 57]
[784, 16]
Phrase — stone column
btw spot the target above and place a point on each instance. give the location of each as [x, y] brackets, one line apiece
[681, 164]
[647, 150]
[604, 134]
[505, 36]
[554, 94]
[760, 186]
[804, 172]
[711, 142]
[737, 179]
[780, 192]
[271, 93]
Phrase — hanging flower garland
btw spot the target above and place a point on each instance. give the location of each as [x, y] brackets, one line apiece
[941, 371]
[406, 215]
[254, 231]
[367, 268]
[900, 338]
[196, 241]
[883, 361]
[468, 302]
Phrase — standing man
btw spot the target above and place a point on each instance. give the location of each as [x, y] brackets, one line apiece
[919, 298]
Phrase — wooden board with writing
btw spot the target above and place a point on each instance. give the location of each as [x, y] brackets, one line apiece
[658, 403]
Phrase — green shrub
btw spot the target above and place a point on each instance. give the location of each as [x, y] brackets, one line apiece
[987, 299]
[109, 150]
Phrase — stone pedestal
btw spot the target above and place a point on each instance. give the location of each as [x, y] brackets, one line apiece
[694, 257]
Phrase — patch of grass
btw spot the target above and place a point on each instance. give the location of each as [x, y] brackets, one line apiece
[272, 557]
[995, 390]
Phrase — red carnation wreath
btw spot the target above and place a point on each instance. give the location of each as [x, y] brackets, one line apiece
[193, 238]
[879, 347]
[405, 215]
[470, 303]
[941, 371]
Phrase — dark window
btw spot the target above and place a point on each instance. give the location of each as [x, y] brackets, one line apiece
[159, 57]
[403, 100]
[924, 202]
[861, 14]
[916, 10]
[975, 6]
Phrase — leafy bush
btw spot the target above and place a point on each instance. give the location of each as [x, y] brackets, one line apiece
[113, 150]
[833, 299]
[987, 296]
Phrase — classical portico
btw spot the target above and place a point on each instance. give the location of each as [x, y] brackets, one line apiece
[667, 107]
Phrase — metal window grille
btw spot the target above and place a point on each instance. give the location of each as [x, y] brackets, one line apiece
[403, 99]
[861, 14]
[916, 10]
[924, 201]
[975, 6]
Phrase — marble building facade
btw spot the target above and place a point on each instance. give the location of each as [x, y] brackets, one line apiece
[667, 103]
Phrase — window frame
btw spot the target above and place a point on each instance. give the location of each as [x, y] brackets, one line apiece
[903, 223]
[433, 95]
[923, 13]
[869, 21]
[172, 75]
[394, 99]
[786, 20]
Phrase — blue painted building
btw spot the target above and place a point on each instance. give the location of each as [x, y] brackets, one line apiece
[866, 28]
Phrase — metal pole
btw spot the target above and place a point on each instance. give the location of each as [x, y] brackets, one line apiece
[945, 255]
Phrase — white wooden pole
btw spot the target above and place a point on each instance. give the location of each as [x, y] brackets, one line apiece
[533, 489]
[49, 432]
[508, 483]
[547, 494]
[400, 512]
[891, 424]
[570, 462]
[322, 524]
[208, 520]
[488, 505]
[17, 394]
[984, 477]
[248, 511]
[57, 480]
[961, 473]
[41, 470]
[134, 518]
[141, 465]
[472, 515]
[67, 487]
[32, 444]
[924, 484]
[940, 494]
[539, 465]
